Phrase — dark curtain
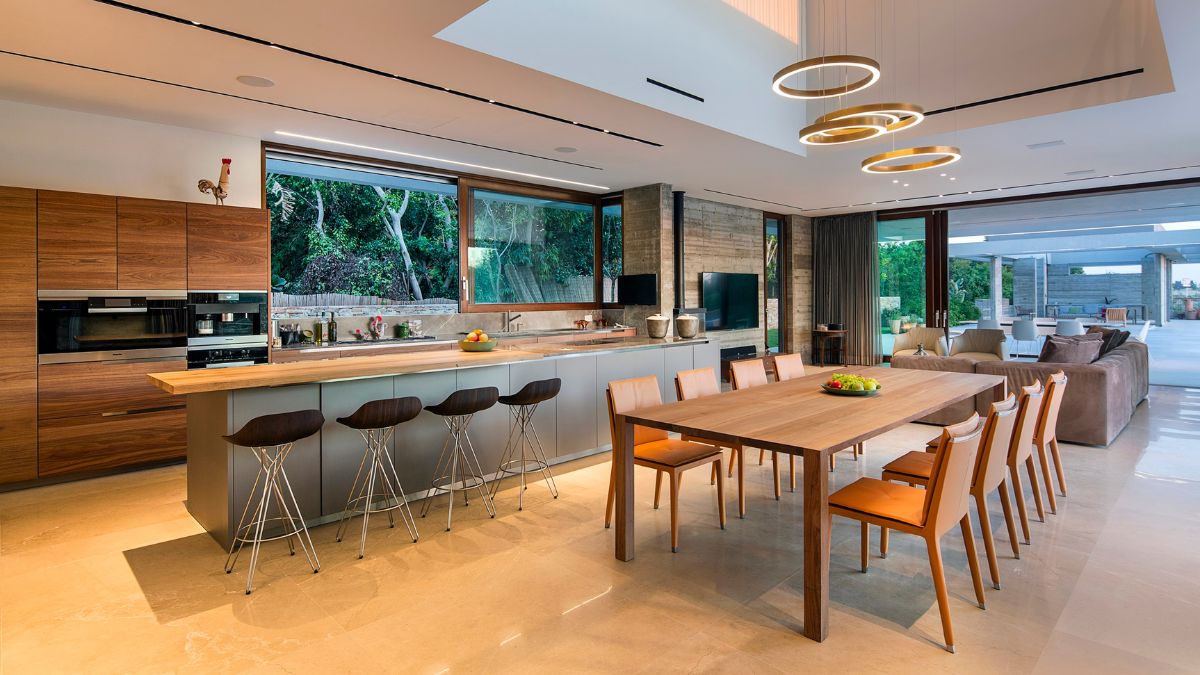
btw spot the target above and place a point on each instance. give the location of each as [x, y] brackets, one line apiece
[846, 282]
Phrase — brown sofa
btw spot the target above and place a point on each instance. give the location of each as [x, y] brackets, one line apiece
[1099, 401]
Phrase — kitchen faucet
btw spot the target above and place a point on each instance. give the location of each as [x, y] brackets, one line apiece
[508, 318]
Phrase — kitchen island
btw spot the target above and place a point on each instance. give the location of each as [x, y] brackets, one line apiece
[321, 468]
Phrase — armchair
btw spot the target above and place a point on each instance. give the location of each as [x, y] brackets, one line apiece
[934, 340]
[980, 344]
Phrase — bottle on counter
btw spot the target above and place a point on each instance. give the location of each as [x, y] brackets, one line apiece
[332, 330]
[319, 329]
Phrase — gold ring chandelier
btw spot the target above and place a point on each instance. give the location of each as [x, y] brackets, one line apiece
[940, 155]
[837, 61]
[860, 123]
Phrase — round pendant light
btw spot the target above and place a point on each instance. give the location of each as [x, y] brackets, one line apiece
[900, 115]
[870, 66]
[847, 130]
[926, 157]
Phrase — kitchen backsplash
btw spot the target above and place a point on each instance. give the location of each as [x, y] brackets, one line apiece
[437, 323]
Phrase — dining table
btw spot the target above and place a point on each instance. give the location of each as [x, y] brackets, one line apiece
[797, 417]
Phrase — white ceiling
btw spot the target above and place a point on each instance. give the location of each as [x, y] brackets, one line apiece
[736, 144]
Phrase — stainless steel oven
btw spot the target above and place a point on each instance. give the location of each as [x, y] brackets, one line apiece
[77, 326]
[227, 328]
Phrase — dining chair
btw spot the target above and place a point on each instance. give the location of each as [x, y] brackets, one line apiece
[790, 367]
[654, 449]
[1029, 404]
[916, 467]
[1068, 327]
[1045, 439]
[927, 513]
[1023, 330]
[753, 373]
[1115, 314]
[699, 383]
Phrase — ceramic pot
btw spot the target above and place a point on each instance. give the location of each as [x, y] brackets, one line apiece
[657, 325]
[686, 326]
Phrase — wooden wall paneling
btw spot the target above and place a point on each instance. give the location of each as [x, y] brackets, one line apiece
[76, 240]
[228, 248]
[18, 320]
[151, 244]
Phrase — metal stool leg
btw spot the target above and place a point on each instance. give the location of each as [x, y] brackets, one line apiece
[519, 440]
[458, 470]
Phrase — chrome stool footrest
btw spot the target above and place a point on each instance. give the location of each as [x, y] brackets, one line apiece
[457, 470]
[376, 483]
[519, 440]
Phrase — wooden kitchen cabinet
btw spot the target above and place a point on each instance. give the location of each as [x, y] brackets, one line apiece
[76, 241]
[18, 318]
[151, 244]
[228, 248]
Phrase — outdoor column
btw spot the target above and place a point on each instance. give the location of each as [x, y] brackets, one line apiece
[997, 286]
[1156, 279]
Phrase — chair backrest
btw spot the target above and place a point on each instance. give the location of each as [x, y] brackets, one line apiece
[1143, 333]
[625, 396]
[988, 324]
[1068, 327]
[979, 340]
[747, 373]
[1029, 405]
[1047, 426]
[1024, 330]
[995, 443]
[696, 383]
[788, 367]
[950, 477]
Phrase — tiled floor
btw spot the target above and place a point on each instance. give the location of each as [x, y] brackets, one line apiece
[112, 575]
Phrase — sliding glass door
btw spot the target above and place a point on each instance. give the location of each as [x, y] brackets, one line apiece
[913, 273]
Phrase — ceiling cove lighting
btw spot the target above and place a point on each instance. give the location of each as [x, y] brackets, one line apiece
[427, 158]
[869, 66]
[927, 157]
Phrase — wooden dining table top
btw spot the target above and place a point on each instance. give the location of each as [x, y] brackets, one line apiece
[799, 415]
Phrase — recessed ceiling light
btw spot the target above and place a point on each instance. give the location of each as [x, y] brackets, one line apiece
[195, 23]
[427, 158]
[255, 81]
[491, 100]
[565, 148]
[895, 180]
[953, 178]
[906, 185]
[942, 175]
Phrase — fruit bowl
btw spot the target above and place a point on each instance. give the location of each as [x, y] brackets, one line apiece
[468, 346]
[849, 392]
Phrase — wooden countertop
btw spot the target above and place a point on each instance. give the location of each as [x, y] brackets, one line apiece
[307, 372]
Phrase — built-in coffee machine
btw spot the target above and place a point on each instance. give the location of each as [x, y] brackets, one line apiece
[227, 328]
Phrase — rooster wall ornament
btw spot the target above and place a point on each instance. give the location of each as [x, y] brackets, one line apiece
[219, 190]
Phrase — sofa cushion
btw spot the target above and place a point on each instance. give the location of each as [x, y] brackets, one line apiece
[1071, 349]
[1111, 338]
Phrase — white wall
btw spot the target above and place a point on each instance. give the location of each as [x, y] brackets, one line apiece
[57, 149]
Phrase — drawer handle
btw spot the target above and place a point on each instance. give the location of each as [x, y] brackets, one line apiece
[142, 411]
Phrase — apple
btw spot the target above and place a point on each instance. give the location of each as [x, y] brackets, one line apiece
[482, 337]
[472, 338]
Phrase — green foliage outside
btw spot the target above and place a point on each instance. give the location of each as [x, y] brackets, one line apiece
[902, 274]
[523, 251]
[612, 248]
[339, 237]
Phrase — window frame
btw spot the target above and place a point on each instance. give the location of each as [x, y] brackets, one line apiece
[466, 231]
[466, 184]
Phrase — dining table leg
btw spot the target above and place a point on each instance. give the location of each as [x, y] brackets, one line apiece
[816, 546]
[623, 472]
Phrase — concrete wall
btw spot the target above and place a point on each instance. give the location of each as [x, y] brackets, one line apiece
[1065, 288]
[800, 323]
[57, 149]
[647, 242]
[723, 238]
[1156, 284]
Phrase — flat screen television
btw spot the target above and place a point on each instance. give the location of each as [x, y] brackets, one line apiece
[637, 289]
[730, 300]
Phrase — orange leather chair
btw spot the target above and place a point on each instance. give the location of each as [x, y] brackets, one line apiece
[753, 373]
[698, 383]
[927, 513]
[655, 450]
[1046, 437]
[915, 468]
[1021, 452]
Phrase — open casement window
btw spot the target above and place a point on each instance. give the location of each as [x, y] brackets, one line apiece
[528, 249]
[612, 255]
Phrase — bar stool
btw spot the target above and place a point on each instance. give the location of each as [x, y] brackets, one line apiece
[377, 422]
[522, 405]
[271, 438]
[458, 465]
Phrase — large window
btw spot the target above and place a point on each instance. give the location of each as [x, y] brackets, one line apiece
[341, 236]
[526, 250]
[901, 274]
